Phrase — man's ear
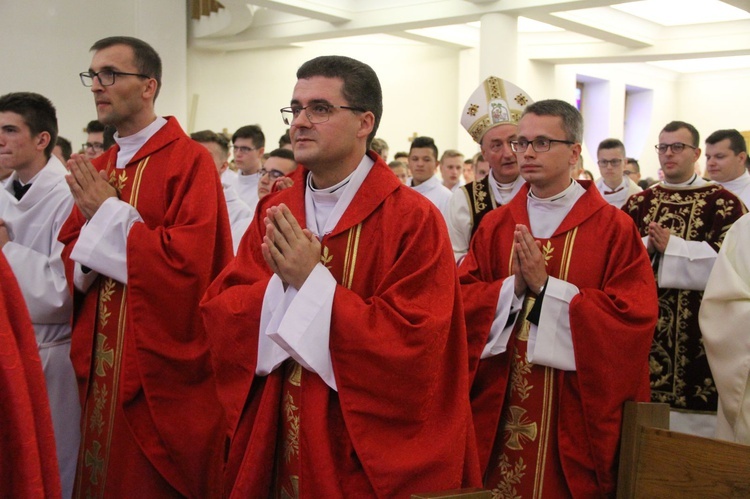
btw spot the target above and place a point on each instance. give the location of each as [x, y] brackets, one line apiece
[366, 124]
[42, 140]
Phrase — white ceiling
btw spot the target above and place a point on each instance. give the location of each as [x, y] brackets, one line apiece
[680, 35]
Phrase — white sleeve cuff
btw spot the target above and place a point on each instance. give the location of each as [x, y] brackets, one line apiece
[686, 264]
[551, 343]
[301, 324]
[103, 240]
[507, 304]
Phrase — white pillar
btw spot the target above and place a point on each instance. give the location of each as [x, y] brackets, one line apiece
[498, 47]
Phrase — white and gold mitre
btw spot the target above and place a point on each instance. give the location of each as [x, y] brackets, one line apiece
[494, 102]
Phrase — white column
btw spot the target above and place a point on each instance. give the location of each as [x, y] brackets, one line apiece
[498, 47]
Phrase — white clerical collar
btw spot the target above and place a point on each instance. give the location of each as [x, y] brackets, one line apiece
[325, 207]
[546, 214]
[691, 183]
[132, 143]
[503, 193]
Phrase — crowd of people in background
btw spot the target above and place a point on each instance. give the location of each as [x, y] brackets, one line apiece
[216, 317]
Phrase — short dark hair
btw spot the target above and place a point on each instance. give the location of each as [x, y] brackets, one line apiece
[94, 126]
[361, 86]
[401, 154]
[282, 153]
[65, 147]
[673, 126]
[611, 144]
[424, 142]
[285, 139]
[736, 140]
[572, 121]
[209, 136]
[145, 58]
[633, 161]
[252, 132]
[37, 112]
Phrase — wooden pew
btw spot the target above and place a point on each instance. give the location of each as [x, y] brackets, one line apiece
[658, 463]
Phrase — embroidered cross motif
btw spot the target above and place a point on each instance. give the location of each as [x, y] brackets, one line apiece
[521, 99]
[519, 428]
[102, 356]
[472, 111]
[94, 461]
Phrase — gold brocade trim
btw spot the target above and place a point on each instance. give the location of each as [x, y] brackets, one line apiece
[479, 196]
[570, 239]
[137, 181]
[350, 257]
[544, 434]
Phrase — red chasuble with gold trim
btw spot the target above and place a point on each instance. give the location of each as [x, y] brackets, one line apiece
[152, 425]
[28, 459]
[680, 374]
[400, 421]
[543, 432]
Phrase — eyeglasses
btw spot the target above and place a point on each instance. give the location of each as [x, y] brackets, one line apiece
[274, 174]
[243, 149]
[316, 113]
[106, 78]
[540, 144]
[677, 147]
[96, 146]
[614, 162]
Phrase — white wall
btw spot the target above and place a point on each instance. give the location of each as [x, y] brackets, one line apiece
[420, 89]
[46, 44]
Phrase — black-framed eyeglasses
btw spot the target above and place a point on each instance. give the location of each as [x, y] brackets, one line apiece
[96, 146]
[677, 147]
[274, 174]
[539, 144]
[614, 162]
[106, 77]
[243, 149]
[316, 113]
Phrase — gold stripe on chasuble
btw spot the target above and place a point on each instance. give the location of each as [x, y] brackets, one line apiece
[350, 257]
[101, 401]
[288, 460]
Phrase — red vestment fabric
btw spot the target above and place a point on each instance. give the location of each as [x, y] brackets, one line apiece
[400, 421]
[611, 320]
[167, 389]
[28, 460]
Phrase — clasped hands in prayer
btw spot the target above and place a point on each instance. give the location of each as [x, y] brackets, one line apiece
[528, 262]
[658, 237]
[289, 250]
[90, 188]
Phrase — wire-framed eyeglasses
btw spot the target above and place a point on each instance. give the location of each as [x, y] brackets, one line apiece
[106, 77]
[316, 113]
[539, 144]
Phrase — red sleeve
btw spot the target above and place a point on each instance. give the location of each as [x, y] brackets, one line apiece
[612, 326]
[28, 460]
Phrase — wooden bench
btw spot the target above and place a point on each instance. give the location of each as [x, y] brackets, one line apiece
[658, 463]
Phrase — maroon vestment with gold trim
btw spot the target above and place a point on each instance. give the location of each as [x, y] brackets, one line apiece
[680, 374]
[568, 421]
[400, 421]
[152, 425]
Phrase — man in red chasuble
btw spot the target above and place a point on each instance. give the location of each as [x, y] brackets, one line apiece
[149, 232]
[560, 309]
[344, 370]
